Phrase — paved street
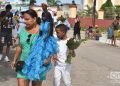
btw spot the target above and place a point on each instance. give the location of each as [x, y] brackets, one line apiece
[95, 64]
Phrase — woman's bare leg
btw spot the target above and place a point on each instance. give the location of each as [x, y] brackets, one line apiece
[115, 41]
[112, 40]
[22, 82]
[27, 82]
[36, 83]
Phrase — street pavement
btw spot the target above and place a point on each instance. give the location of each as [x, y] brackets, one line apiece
[96, 64]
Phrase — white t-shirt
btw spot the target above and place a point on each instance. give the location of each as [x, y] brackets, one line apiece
[55, 19]
[63, 51]
[21, 25]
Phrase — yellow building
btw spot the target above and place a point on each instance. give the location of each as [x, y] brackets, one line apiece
[116, 2]
[99, 3]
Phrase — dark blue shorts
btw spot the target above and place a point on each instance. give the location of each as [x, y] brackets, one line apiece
[6, 34]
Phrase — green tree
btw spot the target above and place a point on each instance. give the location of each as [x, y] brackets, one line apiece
[108, 3]
[53, 2]
[23, 1]
[89, 11]
[117, 10]
[32, 2]
[109, 10]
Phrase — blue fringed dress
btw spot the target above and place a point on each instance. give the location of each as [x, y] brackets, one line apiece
[40, 51]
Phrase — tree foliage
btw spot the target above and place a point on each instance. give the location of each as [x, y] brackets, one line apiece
[53, 2]
[108, 3]
[23, 0]
[89, 11]
[31, 2]
[109, 9]
[117, 10]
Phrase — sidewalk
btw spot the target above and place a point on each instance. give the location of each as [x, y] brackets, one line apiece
[104, 39]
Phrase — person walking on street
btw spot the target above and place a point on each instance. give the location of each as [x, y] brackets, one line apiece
[77, 28]
[115, 30]
[6, 31]
[62, 68]
[27, 37]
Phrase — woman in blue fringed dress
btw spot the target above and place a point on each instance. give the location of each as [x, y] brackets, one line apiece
[38, 63]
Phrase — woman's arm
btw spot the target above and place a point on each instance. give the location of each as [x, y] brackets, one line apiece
[16, 55]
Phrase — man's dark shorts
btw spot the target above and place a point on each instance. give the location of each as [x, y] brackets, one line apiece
[6, 34]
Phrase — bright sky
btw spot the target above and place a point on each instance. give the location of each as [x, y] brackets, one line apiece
[44, 1]
[38, 1]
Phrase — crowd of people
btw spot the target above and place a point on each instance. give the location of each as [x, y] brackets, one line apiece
[36, 45]
[112, 31]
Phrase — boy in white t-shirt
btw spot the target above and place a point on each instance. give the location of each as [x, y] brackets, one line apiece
[62, 69]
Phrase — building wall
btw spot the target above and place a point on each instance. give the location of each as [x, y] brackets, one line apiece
[99, 3]
[116, 2]
[90, 3]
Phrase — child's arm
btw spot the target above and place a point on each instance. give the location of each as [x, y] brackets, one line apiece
[48, 60]
[54, 58]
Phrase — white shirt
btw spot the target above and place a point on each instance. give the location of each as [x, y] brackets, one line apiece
[55, 19]
[62, 54]
[21, 24]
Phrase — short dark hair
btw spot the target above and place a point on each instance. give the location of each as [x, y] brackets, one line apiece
[8, 6]
[22, 13]
[62, 27]
[32, 13]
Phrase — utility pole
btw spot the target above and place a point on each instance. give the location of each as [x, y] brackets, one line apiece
[94, 11]
[82, 3]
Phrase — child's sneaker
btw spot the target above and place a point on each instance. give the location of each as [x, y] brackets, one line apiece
[7, 59]
[1, 57]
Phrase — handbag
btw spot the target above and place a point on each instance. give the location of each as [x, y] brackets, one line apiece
[19, 65]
